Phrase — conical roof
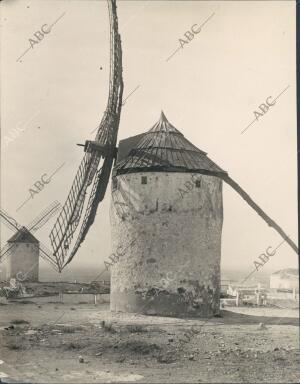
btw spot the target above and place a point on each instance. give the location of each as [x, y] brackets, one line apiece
[23, 236]
[163, 125]
[163, 148]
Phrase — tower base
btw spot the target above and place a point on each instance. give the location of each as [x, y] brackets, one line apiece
[162, 304]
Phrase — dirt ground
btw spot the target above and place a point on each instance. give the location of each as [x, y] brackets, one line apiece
[59, 343]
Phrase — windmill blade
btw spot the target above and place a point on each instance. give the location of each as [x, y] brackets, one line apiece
[271, 223]
[6, 251]
[259, 211]
[9, 221]
[111, 122]
[104, 147]
[44, 216]
[97, 195]
[68, 219]
[47, 255]
[44, 253]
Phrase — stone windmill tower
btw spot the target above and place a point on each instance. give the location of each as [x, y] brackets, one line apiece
[166, 211]
[23, 261]
[166, 216]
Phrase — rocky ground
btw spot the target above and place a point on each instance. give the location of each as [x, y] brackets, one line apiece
[56, 342]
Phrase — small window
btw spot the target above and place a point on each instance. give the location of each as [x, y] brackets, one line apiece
[198, 183]
[144, 179]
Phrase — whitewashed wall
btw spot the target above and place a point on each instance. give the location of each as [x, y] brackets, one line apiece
[166, 237]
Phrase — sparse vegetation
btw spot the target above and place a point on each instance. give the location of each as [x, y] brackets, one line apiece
[108, 327]
[73, 345]
[70, 329]
[123, 344]
[13, 346]
[140, 347]
[136, 328]
[19, 321]
[23, 302]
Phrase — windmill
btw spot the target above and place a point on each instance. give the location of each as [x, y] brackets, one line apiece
[92, 177]
[94, 170]
[24, 234]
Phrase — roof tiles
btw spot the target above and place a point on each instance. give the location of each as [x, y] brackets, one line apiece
[163, 148]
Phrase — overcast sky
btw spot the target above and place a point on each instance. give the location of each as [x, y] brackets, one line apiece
[56, 94]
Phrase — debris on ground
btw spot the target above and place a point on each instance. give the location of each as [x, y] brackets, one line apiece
[81, 359]
[262, 326]
[228, 352]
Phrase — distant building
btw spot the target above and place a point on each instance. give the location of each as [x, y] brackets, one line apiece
[23, 261]
[285, 279]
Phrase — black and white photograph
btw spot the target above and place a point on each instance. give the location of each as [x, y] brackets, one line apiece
[149, 191]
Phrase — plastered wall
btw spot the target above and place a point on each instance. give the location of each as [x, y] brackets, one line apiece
[166, 236]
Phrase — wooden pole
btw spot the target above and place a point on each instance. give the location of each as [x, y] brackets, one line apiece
[259, 211]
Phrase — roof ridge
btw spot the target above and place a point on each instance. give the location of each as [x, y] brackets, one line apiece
[166, 148]
[22, 235]
[163, 125]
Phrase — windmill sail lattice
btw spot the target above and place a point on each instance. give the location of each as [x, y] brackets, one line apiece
[22, 232]
[164, 149]
[94, 171]
[95, 168]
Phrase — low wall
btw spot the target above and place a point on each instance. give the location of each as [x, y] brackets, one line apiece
[69, 298]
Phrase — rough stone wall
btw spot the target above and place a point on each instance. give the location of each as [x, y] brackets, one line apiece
[166, 239]
[23, 263]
